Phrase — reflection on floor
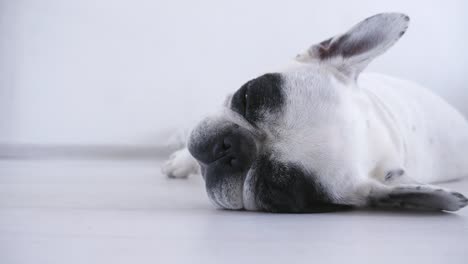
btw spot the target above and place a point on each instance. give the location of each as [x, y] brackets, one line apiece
[127, 212]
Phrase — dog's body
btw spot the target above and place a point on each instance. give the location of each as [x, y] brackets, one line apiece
[414, 129]
[315, 137]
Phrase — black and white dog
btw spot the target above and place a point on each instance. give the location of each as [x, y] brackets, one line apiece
[320, 136]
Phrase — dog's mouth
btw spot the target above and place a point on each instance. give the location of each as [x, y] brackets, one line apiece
[232, 194]
[226, 192]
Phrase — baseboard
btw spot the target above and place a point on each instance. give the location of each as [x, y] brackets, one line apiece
[35, 151]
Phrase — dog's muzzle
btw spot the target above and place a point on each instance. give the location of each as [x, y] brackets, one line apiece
[225, 152]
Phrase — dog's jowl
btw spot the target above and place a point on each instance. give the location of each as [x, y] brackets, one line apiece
[320, 136]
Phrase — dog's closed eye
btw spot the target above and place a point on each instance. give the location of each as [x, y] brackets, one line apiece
[258, 96]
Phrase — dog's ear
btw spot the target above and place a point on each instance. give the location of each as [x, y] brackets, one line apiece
[420, 197]
[352, 51]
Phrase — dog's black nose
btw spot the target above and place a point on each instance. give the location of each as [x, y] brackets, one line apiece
[230, 148]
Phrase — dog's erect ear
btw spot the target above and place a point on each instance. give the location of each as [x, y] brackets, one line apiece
[420, 197]
[352, 51]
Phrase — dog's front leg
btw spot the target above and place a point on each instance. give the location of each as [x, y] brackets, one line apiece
[180, 165]
[414, 196]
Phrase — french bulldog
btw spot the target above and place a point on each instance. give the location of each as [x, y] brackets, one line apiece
[320, 136]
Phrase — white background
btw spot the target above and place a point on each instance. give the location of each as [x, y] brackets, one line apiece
[130, 72]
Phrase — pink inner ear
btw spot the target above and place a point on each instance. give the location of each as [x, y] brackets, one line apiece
[361, 44]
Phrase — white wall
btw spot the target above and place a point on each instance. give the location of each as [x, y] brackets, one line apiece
[123, 72]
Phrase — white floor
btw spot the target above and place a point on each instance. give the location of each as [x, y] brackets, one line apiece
[127, 212]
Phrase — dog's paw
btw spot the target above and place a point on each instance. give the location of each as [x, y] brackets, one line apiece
[424, 197]
[460, 200]
[180, 165]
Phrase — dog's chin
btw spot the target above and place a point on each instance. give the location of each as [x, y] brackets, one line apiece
[227, 204]
[226, 198]
[227, 193]
[238, 197]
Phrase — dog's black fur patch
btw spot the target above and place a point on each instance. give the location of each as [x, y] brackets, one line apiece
[260, 95]
[285, 188]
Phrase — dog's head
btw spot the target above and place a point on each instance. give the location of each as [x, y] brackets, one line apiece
[278, 143]
[286, 141]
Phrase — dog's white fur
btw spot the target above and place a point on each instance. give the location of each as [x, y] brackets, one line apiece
[366, 135]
